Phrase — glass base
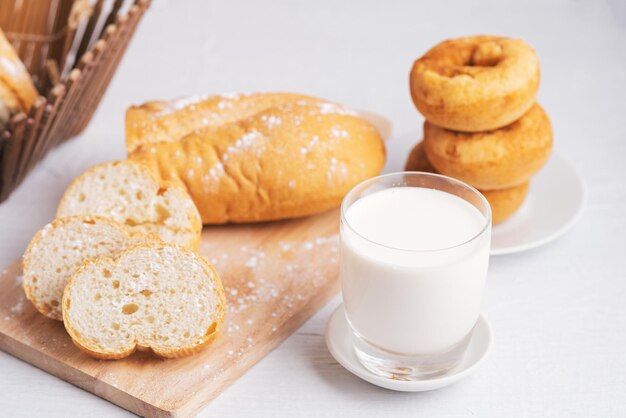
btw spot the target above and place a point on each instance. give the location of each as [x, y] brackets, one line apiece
[402, 367]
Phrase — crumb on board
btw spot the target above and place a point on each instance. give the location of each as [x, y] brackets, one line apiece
[277, 277]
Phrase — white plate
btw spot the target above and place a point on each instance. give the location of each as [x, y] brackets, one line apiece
[339, 344]
[554, 203]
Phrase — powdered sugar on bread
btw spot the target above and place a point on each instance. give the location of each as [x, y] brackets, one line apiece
[271, 156]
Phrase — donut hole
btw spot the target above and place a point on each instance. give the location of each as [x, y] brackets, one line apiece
[487, 54]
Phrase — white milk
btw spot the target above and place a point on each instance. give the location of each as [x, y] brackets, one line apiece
[408, 291]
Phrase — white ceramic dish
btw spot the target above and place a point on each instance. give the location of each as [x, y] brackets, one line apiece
[554, 203]
[339, 344]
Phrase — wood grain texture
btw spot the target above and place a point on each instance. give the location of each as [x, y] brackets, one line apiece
[276, 275]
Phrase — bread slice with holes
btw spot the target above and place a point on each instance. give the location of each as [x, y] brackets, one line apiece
[62, 246]
[159, 297]
[129, 193]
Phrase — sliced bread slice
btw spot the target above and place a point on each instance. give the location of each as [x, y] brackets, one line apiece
[63, 245]
[129, 193]
[160, 297]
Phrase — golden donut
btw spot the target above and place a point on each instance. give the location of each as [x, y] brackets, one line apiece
[498, 159]
[476, 83]
[417, 160]
[503, 202]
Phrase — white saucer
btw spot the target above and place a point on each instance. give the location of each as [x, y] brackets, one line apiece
[339, 342]
[554, 203]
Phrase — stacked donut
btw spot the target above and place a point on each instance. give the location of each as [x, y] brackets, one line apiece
[483, 125]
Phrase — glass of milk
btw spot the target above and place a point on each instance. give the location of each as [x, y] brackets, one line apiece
[414, 257]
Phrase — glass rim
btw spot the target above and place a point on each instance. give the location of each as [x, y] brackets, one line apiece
[485, 227]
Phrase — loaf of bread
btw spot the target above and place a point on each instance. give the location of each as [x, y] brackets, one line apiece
[131, 194]
[17, 91]
[159, 297]
[63, 245]
[258, 157]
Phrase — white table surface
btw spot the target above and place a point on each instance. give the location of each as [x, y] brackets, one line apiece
[558, 312]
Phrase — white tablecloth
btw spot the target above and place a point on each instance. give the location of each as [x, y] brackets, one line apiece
[558, 312]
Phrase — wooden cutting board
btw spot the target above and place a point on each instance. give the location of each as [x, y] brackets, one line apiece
[276, 275]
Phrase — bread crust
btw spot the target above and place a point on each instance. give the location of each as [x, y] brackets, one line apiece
[475, 83]
[168, 121]
[181, 351]
[14, 76]
[498, 159]
[293, 159]
[503, 202]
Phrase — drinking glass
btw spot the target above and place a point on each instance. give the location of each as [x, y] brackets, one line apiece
[412, 312]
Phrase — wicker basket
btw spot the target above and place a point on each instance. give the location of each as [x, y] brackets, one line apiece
[71, 48]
